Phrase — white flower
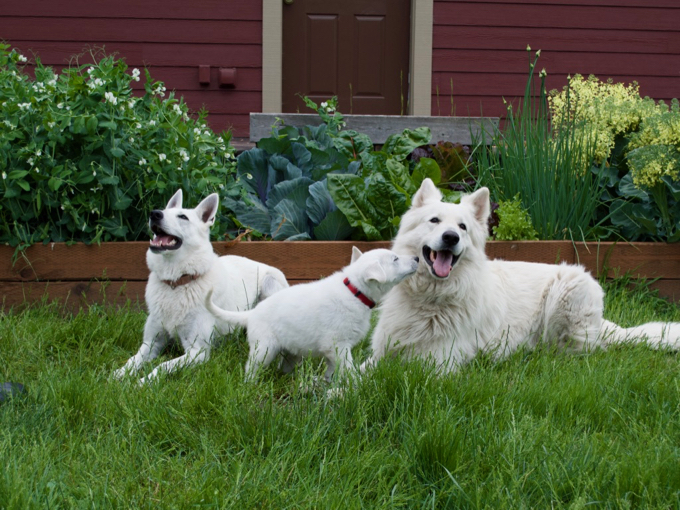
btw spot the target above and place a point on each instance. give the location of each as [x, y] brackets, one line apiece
[50, 125]
[24, 106]
[131, 104]
[152, 122]
[4, 175]
[176, 108]
[21, 58]
[162, 157]
[89, 71]
[60, 105]
[249, 176]
[135, 74]
[185, 156]
[142, 162]
[131, 139]
[324, 105]
[62, 207]
[206, 133]
[30, 161]
[197, 131]
[138, 125]
[38, 152]
[109, 97]
[52, 83]
[94, 172]
[221, 186]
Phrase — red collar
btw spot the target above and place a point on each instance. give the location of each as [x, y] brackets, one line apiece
[358, 294]
[182, 280]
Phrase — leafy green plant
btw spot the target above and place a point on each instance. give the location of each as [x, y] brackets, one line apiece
[638, 142]
[284, 177]
[547, 162]
[84, 159]
[374, 198]
[514, 222]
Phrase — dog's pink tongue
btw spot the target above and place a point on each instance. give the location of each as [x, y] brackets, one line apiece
[442, 263]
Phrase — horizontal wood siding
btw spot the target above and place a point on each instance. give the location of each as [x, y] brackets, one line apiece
[169, 37]
[479, 48]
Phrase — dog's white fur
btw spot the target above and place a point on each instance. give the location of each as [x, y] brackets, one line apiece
[321, 318]
[487, 305]
[179, 312]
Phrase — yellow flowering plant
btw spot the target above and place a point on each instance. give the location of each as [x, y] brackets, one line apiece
[637, 140]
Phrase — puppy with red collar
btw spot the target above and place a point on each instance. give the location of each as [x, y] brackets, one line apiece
[322, 318]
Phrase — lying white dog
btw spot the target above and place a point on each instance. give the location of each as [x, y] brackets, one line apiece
[322, 318]
[459, 302]
[183, 269]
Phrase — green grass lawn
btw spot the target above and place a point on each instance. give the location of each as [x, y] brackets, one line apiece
[540, 429]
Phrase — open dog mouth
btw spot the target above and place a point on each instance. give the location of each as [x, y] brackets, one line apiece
[163, 241]
[441, 262]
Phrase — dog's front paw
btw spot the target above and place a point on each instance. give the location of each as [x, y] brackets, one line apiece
[120, 374]
[335, 393]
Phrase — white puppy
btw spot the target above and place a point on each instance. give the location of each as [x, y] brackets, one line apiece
[323, 318]
[459, 302]
[184, 268]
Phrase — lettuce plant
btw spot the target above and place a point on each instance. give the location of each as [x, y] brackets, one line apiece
[284, 178]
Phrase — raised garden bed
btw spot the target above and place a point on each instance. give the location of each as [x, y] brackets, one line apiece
[112, 273]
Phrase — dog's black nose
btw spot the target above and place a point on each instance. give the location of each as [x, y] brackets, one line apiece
[416, 259]
[156, 215]
[450, 238]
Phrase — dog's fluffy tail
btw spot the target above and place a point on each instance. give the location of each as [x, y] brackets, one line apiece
[654, 334]
[233, 318]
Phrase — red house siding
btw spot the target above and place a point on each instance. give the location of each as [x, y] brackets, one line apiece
[170, 37]
[479, 48]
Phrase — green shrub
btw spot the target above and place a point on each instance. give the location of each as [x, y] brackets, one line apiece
[83, 159]
[514, 222]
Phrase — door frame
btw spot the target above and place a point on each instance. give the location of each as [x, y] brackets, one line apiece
[420, 57]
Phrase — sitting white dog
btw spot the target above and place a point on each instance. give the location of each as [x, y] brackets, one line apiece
[184, 268]
[322, 318]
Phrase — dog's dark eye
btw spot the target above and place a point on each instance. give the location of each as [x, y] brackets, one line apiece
[182, 217]
[462, 226]
[435, 220]
[395, 259]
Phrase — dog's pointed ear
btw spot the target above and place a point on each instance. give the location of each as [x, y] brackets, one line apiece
[479, 203]
[376, 273]
[356, 253]
[427, 194]
[175, 201]
[207, 209]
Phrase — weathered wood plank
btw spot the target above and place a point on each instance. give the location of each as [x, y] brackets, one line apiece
[379, 127]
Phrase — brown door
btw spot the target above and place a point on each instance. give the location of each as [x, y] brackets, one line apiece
[357, 50]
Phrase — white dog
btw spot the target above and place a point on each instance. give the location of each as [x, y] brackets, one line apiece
[183, 269]
[323, 318]
[459, 302]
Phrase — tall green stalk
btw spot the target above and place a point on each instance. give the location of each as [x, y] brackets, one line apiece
[547, 162]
